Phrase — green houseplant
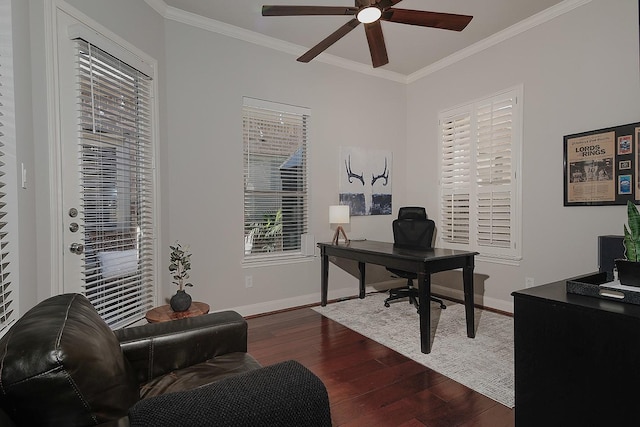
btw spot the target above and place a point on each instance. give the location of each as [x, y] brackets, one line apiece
[179, 266]
[632, 234]
[266, 236]
[629, 268]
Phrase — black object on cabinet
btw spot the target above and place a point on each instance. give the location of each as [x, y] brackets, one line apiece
[610, 248]
[577, 359]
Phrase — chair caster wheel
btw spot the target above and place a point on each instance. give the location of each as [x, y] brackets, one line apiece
[443, 307]
[386, 304]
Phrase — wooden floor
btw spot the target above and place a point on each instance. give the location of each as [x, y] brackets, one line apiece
[369, 384]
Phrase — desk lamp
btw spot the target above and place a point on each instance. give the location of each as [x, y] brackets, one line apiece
[339, 214]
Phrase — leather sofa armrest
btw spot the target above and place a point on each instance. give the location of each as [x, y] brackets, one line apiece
[158, 348]
[285, 395]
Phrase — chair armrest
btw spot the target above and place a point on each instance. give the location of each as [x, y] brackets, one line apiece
[285, 394]
[158, 348]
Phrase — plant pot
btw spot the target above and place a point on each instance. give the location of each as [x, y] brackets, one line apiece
[628, 272]
[181, 301]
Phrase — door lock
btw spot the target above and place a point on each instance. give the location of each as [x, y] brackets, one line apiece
[76, 248]
[73, 227]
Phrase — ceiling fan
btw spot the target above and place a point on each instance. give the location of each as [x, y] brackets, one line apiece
[370, 13]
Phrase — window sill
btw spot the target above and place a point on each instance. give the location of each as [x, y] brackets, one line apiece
[499, 260]
[270, 260]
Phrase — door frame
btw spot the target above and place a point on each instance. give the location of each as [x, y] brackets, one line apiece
[54, 127]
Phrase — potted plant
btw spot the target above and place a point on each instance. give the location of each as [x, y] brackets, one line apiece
[629, 268]
[179, 267]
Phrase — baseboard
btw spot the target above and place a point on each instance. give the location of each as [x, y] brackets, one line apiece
[293, 302]
[481, 300]
[314, 299]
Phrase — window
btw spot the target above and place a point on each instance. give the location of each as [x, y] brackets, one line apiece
[115, 156]
[480, 195]
[275, 138]
[8, 175]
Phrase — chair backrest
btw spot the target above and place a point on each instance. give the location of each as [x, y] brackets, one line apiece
[412, 212]
[63, 366]
[412, 229]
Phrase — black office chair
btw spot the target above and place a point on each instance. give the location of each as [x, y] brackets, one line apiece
[411, 230]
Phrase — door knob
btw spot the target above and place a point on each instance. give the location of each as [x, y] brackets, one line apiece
[76, 248]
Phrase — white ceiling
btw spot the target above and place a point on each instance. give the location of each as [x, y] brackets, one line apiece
[410, 48]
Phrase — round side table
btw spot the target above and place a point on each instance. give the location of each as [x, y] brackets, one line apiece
[165, 314]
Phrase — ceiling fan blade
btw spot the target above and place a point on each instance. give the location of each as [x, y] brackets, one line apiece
[377, 46]
[269, 10]
[333, 37]
[385, 4]
[445, 21]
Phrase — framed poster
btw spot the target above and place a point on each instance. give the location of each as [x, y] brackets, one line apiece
[601, 167]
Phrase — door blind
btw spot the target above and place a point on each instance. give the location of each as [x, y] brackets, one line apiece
[8, 185]
[116, 184]
[275, 181]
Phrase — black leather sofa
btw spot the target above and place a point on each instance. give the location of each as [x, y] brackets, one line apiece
[61, 365]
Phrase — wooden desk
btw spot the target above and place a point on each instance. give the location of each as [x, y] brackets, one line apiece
[576, 359]
[422, 262]
[165, 314]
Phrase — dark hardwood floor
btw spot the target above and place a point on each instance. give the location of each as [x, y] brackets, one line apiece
[369, 384]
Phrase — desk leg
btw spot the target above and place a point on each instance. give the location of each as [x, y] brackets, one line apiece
[324, 280]
[424, 298]
[361, 267]
[468, 298]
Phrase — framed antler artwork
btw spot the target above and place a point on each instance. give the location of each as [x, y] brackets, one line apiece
[365, 180]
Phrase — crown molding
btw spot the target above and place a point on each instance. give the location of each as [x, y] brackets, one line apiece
[159, 6]
[222, 28]
[512, 31]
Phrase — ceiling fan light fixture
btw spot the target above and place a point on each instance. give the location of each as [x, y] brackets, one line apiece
[369, 14]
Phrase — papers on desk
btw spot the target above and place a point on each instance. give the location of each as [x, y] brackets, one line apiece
[593, 286]
[615, 284]
[616, 291]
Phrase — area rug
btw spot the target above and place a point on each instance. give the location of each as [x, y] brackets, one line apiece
[484, 363]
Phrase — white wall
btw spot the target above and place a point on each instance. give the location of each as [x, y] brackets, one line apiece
[207, 76]
[133, 21]
[24, 150]
[580, 72]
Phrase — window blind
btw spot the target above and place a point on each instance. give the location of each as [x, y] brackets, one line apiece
[9, 291]
[456, 178]
[116, 183]
[275, 180]
[493, 172]
[479, 206]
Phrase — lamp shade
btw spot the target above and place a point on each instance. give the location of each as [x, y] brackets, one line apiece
[339, 214]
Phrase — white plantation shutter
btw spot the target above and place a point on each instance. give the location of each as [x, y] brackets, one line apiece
[116, 176]
[480, 145]
[8, 175]
[455, 178]
[494, 171]
[275, 138]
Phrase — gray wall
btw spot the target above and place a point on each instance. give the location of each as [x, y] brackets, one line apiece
[579, 71]
[24, 152]
[207, 76]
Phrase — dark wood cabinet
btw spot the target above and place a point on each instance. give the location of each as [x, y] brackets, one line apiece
[577, 359]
